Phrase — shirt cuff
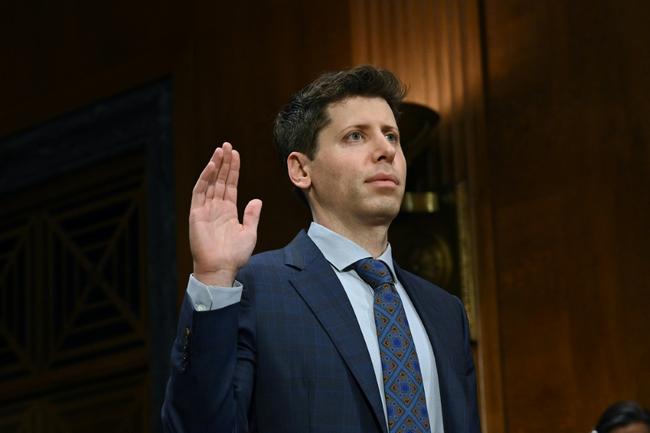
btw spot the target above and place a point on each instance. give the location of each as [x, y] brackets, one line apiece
[208, 298]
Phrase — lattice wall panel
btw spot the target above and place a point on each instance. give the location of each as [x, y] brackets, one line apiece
[86, 211]
[17, 348]
[95, 267]
[72, 275]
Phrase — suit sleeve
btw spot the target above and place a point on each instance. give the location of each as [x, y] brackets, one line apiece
[212, 366]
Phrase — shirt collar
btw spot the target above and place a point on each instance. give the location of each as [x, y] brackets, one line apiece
[340, 251]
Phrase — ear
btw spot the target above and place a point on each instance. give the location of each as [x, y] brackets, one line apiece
[299, 170]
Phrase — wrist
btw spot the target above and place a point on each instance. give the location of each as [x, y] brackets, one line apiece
[220, 278]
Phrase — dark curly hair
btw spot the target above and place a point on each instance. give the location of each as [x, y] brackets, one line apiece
[298, 124]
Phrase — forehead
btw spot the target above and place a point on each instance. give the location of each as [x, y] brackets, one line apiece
[360, 110]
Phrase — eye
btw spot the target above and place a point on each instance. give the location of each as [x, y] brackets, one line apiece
[392, 137]
[354, 136]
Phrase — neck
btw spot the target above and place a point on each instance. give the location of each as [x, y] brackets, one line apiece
[373, 239]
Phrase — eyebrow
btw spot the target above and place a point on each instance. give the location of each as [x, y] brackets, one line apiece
[367, 126]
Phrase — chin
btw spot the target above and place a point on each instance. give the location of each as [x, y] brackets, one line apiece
[384, 213]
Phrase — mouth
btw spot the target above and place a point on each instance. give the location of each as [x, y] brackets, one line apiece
[383, 179]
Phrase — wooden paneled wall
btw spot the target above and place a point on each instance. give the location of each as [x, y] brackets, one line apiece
[243, 62]
[544, 110]
[434, 47]
[233, 66]
[568, 155]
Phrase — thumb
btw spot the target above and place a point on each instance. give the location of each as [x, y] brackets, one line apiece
[252, 214]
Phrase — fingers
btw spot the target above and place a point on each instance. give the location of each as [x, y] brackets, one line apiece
[233, 178]
[202, 185]
[223, 171]
[217, 157]
[252, 214]
[219, 178]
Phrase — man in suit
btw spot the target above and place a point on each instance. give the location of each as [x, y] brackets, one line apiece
[327, 334]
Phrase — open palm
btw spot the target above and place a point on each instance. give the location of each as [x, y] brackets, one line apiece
[220, 244]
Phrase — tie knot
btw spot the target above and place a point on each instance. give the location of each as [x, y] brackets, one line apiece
[374, 272]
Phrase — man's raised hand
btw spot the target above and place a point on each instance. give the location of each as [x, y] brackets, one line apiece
[220, 244]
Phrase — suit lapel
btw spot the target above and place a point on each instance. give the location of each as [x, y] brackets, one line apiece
[322, 291]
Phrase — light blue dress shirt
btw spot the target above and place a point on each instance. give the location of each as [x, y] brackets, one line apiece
[341, 252]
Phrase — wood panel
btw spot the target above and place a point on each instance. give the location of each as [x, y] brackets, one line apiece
[117, 405]
[434, 47]
[242, 62]
[569, 162]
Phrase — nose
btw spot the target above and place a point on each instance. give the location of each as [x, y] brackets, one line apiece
[385, 149]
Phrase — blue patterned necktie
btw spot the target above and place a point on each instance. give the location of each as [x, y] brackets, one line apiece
[406, 405]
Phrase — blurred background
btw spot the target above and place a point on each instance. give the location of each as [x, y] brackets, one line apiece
[529, 168]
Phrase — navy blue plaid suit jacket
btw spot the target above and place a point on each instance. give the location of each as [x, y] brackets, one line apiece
[290, 357]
